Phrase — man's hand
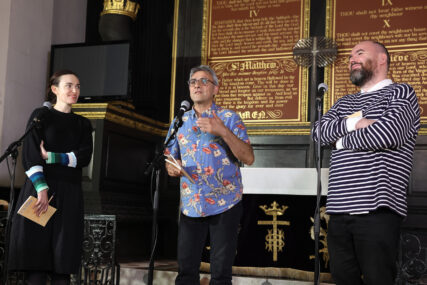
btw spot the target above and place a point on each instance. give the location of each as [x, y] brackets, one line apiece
[172, 170]
[43, 151]
[363, 123]
[242, 151]
[213, 125]
[40, 207]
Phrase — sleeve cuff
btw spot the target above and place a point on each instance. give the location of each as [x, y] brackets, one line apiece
[338, 144]
[35, 174]
[351, 123]
[67, 159]
[72, 159]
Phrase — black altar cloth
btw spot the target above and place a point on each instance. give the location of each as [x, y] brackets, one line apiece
[298, 249]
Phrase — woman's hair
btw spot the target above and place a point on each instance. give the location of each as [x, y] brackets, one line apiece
[54, 81]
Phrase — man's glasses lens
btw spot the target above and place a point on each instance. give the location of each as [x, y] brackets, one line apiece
[203, 81]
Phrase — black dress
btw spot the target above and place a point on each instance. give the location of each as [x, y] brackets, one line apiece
[58, 246]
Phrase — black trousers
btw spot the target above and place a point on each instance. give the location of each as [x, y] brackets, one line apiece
[363, 248]
[192, 234]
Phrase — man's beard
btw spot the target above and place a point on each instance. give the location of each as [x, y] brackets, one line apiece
[360, 76]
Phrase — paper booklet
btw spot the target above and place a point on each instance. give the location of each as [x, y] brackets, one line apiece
[27, 211]
[177, 166]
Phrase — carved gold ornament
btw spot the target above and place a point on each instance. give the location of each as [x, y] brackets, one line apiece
[275, 239]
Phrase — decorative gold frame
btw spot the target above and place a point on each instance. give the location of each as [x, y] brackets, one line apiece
[270, 127]
[121, 115]
[174, 52]
[273, 127]
[328, 72]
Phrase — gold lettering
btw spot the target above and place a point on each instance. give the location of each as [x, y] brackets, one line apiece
[262, 87]
[406, 31]
[253, 13]
[387, 3]
[387, 23]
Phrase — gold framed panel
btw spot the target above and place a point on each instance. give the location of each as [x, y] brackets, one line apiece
[174, 55]
[257, 116]
[398, 24]
[121, 113]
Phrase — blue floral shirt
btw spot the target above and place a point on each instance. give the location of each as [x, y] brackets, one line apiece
[210, 162]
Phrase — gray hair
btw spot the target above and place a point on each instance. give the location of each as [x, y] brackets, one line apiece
[207, 69]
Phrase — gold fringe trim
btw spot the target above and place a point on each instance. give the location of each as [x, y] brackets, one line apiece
[274, 272]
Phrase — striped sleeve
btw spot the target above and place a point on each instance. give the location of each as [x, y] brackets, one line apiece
[35, 174]
[67, 159]
[333, 126]
[398, 124]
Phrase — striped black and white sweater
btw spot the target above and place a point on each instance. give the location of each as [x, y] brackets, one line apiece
[373, 168]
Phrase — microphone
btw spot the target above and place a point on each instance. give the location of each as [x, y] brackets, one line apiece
[185, 106]
[47, 106]
[322, 88]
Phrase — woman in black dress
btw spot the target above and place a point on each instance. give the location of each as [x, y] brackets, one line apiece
[53, 157]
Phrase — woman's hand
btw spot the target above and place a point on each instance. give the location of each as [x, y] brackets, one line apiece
[42, 203]
[43, 151]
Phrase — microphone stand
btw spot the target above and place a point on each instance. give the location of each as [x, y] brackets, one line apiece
[319, 106]
[12, 150]
[154, 168]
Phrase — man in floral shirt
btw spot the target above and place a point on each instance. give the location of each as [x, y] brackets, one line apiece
[209, 145]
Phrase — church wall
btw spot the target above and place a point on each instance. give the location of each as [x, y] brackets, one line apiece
[28, 43]
[69, 21]
[4, 35]
[28, 28]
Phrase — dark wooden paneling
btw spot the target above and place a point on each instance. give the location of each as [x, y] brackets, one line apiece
[419, 177]
[189, 46]
[280, 156]
[284, 151]
[151, 54]
[415, 222]
[119, 187]
[126, 158]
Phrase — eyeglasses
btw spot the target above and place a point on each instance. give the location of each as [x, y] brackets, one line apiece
[201, 81]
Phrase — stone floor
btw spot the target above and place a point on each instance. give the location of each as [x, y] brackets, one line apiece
[136, 273]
